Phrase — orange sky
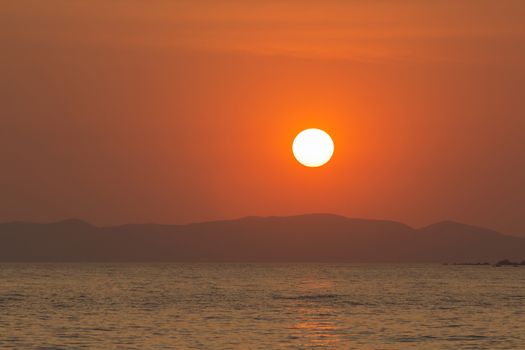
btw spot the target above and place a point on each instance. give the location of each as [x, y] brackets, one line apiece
[130, 111]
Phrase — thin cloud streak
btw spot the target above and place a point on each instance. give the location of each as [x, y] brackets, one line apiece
[380, 32]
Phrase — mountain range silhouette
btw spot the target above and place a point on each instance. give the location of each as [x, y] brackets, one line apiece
[303, 238]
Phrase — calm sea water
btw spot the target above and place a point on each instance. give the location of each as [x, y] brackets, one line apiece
[232, 306]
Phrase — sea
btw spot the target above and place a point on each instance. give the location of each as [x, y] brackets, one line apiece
[261, 306]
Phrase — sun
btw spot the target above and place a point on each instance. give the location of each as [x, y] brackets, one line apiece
[313, 147]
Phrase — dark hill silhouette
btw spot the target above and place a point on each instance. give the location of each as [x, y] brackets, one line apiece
[308, 238]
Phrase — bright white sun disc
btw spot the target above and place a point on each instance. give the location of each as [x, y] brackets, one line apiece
[313, 147]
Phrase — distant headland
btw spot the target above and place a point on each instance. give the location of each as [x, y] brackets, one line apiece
[303, 238]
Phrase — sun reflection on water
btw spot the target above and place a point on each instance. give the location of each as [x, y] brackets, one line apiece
[317, 328]
[316, 315]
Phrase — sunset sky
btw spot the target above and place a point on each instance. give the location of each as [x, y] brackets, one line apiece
[164, 111]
